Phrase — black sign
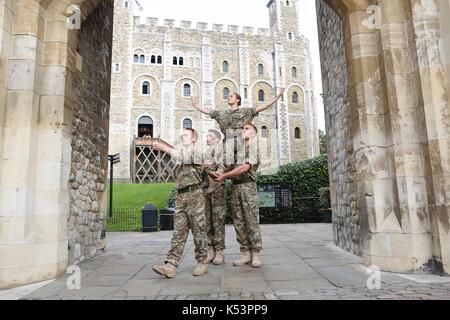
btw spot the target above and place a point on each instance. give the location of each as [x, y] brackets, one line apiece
[275, 196]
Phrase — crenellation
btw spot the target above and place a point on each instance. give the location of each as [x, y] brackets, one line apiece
[247, 30]
[185, 24]
[217, 27]
[233, 29]
[202, 26]
[170, 23]
[264, 32]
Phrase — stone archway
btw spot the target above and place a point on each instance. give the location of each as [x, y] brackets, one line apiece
[387, 111]
[55, 103]
[385, 83]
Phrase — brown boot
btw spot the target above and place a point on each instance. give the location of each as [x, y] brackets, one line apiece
[245, 259]
[168, 270]
[211, 255]
[219, 257]
[201, 269]
[256, 260]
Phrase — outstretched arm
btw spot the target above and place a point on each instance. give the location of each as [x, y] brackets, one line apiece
[176, 154]
[234, 173]
[267, 106]
[198, 107]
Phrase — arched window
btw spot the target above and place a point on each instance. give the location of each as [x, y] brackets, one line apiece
[295, 97]
[187, 123]
[260, 69]
[180, 61]
[175, 61]
[297, 133]
[290, 35]
[136, 58]
[145, 126]
[294, 72]
[146, 88]
[261, 96]
[117, 67]
[225, 66]
[187, 90]
[142, 59]
[159, 61]
[153, 59]
[226, 93]
[125, 4]
[245, 93]
[287, 3]
[264, 132]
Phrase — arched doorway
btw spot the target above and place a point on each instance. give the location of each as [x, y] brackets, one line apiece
[145, 127]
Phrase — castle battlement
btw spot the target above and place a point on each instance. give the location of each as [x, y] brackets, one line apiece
[201, 26]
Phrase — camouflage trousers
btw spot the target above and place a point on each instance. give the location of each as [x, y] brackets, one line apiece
[245, 206]
[216, 211]
[189, 215]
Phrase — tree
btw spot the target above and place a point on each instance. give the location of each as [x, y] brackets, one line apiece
[323, 142]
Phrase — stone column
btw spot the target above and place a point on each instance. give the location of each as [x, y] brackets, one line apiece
[34, 200]
[207, 86]
[430, 19]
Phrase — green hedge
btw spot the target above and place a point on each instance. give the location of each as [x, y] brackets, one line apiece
[306, 179]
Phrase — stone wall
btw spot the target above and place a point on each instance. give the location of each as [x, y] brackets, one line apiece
[90, 136]
[346, 224]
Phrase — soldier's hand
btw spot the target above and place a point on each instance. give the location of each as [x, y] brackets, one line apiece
[220, 178]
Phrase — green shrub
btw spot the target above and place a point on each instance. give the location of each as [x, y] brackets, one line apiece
[325, 201]
[172, 197]
[306, 179]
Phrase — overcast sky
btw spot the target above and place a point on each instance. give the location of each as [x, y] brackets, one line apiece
[252, 13]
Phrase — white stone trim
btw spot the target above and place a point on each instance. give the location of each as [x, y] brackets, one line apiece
[136, 122]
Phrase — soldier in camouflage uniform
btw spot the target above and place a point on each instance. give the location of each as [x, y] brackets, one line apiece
[246, 201]
[189, 207]
[232, 120]
[216, 198]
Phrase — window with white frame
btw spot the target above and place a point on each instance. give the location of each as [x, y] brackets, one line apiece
[226, 93]
[261, 95]
[117, 67]
[264, 132]
[294, 72]
[187, 123]
[294, 97]
[260, 69]
[146, 90]
[225, 66]
[186, 90]
[297, 133]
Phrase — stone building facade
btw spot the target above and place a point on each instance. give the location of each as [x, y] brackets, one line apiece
[157, 68]
[387, 106]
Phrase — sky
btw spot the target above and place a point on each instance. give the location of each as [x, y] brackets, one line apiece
[252, 13]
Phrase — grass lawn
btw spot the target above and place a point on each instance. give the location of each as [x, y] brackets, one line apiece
[129, 196]
[128, 199]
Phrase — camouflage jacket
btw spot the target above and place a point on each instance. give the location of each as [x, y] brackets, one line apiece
[233, 119]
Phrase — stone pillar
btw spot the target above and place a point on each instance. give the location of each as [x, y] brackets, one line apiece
[120, 138]
[207, 95]
[281, 108]
[34, 201]
[430, 19]
[167, 94]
